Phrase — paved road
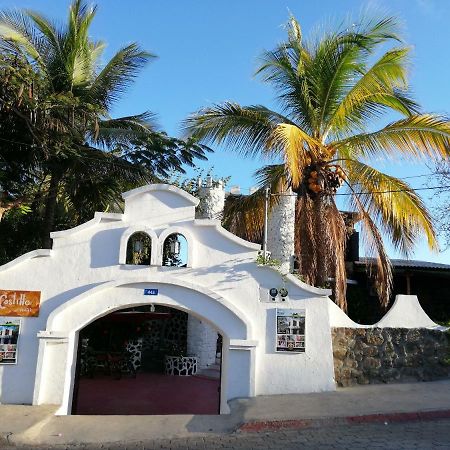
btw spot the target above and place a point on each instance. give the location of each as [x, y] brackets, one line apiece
[407, 435]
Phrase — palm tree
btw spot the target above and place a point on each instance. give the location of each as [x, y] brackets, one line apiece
[81, 156]
[332, 91]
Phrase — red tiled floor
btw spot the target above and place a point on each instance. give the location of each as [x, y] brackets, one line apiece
[148, 393]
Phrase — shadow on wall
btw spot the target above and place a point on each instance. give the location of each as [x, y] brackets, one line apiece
[14, 378]
[271, 332]
[105, 247]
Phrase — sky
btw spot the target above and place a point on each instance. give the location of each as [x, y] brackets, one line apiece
[207, 52]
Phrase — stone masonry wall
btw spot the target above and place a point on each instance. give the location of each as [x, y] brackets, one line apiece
[201, 342]
[384, 355]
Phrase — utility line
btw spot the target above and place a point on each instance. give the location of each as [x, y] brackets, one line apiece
[374, 192]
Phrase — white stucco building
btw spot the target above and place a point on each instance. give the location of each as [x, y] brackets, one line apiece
[85, 277]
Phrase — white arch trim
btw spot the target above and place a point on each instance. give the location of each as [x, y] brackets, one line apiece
[176, 230]
[52, 328]
[234, 341]
[138, 229]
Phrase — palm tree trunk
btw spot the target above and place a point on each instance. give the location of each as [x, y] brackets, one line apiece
[50, 208]
[322, 243]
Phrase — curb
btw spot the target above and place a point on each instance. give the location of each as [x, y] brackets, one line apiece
[299, 424]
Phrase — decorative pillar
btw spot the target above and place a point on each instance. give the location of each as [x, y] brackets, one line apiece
[212, 199]
[281, 230]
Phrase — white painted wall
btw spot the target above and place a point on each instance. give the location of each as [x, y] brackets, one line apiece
[81, 279]
[406, 312]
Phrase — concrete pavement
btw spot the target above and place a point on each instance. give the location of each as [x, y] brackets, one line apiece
[23, 425]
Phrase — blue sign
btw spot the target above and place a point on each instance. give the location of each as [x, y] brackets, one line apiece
[150, 291]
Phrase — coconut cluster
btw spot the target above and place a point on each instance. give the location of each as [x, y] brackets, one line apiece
[324, 178]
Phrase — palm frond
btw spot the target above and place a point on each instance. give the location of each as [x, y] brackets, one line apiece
[118, 74]
[18, 35]
[394, 205]
[373, 243]
[297, 148]
[417, 137]
[381, 87]
[245, 129]
[243, 215]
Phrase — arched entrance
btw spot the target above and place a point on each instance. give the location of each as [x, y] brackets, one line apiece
[147, 360]
[59, 343]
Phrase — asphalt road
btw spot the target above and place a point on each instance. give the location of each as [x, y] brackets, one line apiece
[406, 435]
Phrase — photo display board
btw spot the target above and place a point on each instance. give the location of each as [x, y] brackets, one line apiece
[9, 336]
[290, 330]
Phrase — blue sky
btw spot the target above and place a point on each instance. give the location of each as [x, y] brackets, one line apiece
[207, 52]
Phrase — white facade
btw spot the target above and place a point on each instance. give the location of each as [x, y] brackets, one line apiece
[84, 277]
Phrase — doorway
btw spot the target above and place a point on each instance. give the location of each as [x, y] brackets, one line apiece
[147, 360]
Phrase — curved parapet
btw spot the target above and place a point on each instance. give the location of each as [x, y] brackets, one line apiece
[338, 318]
[406, 312]
[30, 255]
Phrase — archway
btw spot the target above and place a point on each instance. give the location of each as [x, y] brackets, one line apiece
[147, 360]
[59, 343]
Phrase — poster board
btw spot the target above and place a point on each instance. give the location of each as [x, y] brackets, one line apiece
[20, 303]
[9, 338]
[290, 330]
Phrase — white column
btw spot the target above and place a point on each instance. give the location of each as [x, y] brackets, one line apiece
[281, 229]
[212, 199]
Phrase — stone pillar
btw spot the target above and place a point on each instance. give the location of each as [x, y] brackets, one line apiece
[212, 199]
[201, 341]
[280, 231]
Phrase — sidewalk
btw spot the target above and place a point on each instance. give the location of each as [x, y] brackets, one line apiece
[37, 425]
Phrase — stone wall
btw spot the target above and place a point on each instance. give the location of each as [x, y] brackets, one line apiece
[384, 355]
[201, 341]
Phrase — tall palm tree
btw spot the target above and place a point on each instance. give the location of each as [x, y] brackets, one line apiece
[82, 156]
[332, 91]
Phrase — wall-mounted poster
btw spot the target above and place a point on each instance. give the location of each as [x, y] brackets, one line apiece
[9, 335]
[290, 330]
[20, 303]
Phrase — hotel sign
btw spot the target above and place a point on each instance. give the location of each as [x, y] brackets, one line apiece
[20, 303]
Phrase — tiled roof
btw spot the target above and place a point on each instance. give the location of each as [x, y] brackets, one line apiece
[408, 263]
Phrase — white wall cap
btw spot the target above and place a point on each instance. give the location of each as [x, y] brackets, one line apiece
[338, 318]
[98, 217]
[242, 344]
[232, 237]
[161, 187]
[52, 335]
[30, 255]
[406, 312]
[306, 287]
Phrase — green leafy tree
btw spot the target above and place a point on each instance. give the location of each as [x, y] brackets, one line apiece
[75, 155]
[332, 90]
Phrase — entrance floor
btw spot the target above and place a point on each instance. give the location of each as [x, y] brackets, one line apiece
[148, 393]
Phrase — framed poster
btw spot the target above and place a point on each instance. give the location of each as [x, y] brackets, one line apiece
[20, 303]
[290, 330]
[9, 336]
